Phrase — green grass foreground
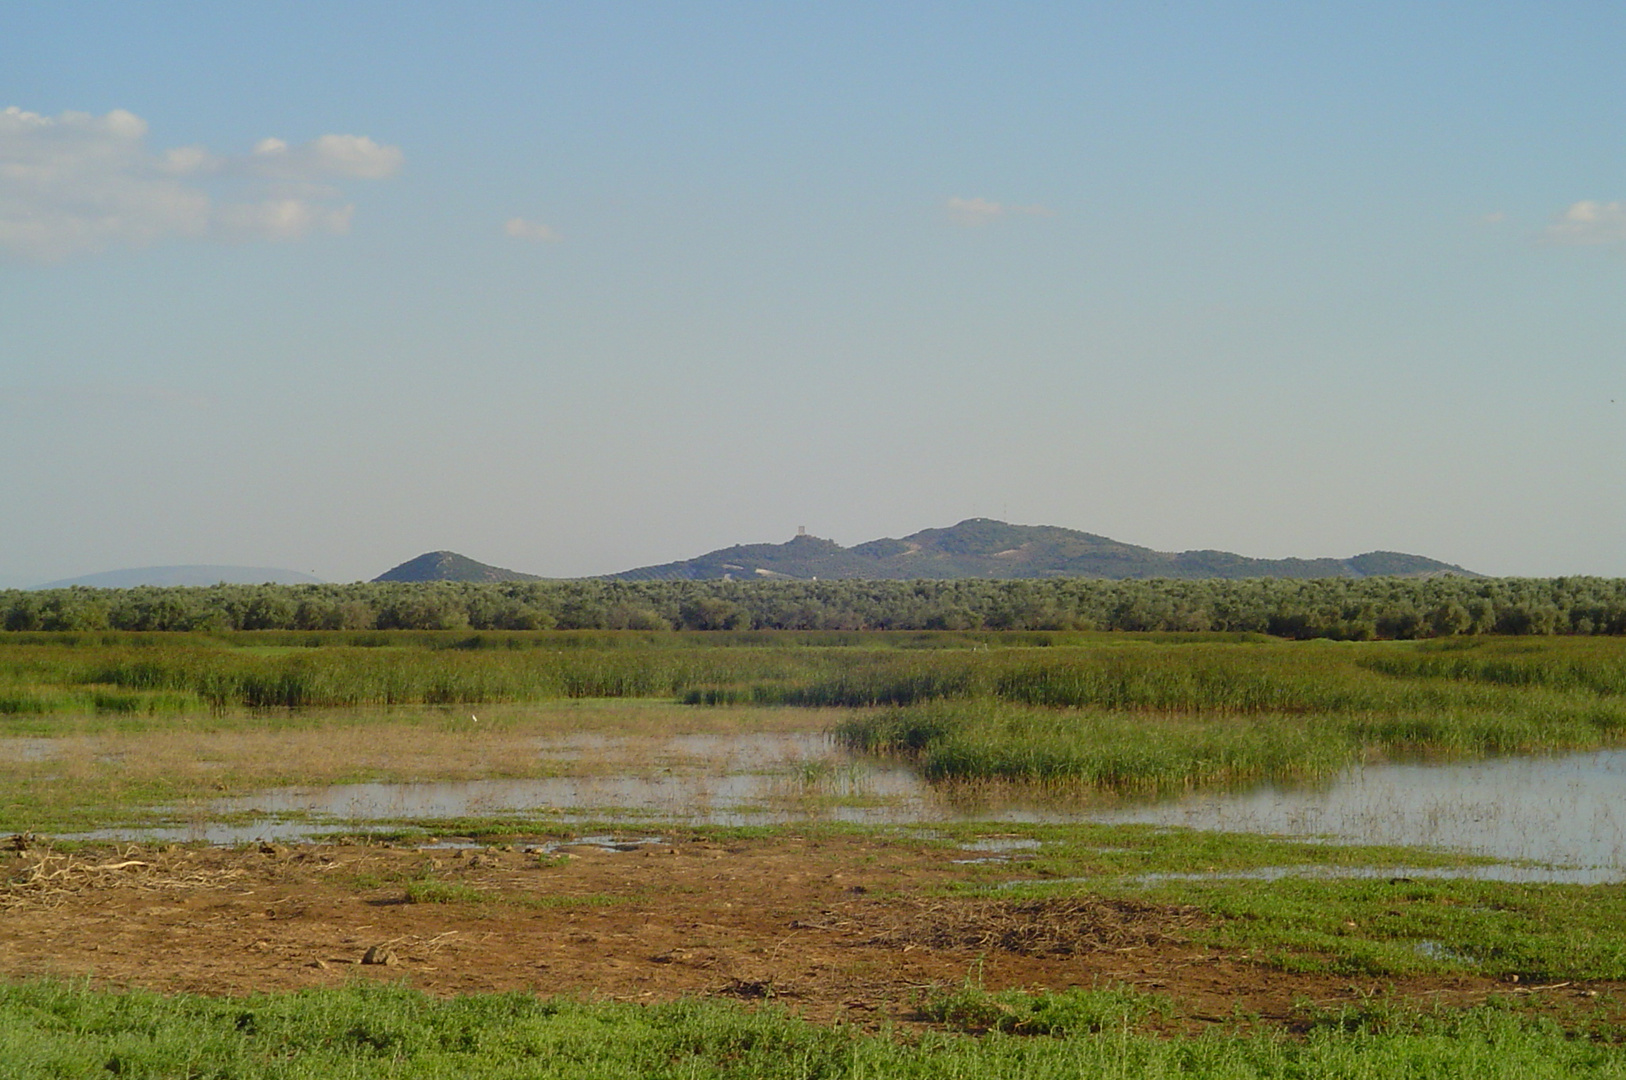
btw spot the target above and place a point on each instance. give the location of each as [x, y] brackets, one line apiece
[1387, 919]
[60, 1030]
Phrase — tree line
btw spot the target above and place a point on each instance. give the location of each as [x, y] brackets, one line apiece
[1341, 608]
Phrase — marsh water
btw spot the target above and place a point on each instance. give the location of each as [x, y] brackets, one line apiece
[1562, 810]
[1568, 809]
[710, 779]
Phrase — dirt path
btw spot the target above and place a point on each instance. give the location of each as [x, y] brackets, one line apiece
[834, 927]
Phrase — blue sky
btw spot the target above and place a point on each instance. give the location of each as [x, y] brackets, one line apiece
[571, 288]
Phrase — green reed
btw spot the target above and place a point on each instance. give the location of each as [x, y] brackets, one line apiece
[200, 674]
[1116, 751]
[1124, 712]
[1162, 718]
[1144, 751]
[1585, 664]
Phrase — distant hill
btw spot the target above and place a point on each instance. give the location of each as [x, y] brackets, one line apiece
[984, 548]
[186, 575]
[450, 566]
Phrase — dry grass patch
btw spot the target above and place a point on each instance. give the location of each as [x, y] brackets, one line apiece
[47, 878]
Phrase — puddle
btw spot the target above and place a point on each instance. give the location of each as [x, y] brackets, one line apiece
[211, 832]
[602, 843]
[1001, 849]
[1588, 875]
[615, 844]
[1438, 950]
[24, 748]
[1000, 843]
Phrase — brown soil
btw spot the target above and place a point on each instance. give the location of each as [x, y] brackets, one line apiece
[836, 927]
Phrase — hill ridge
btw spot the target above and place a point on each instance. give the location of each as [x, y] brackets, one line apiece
[450, 566]
[974, 548]
[992, 549]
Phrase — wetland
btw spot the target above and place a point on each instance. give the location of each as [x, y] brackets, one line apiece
[1201, 838]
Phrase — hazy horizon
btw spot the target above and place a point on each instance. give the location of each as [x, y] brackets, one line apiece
[573, 288]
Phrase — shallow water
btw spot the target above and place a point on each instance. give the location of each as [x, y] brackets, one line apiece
[702, 779]
[24, 748]
[1567, 810]
[1582, 875]
[733, 799]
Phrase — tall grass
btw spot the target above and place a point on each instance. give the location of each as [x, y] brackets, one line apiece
[1125, 712]
[1160, 719]
[1145, 751]
[1594, 666]
[1127, 753]
[190, 675]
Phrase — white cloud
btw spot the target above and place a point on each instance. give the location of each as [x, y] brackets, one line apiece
[281, 219]
[534, 231]
[979, 211]
[1589, 222]
[189, 159]
[75, 183]
[337, 155]
[355, 155]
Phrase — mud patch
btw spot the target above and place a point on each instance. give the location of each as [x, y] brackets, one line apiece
[836, 926]
[1056, 927]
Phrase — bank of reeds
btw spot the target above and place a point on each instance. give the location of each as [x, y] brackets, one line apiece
[1165, 719]
[1141, 753]
[192, 675]
[176, 673]
[1127, 753]
[1583, 665]
[1128, 712]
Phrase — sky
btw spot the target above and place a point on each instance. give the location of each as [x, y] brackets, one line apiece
[572, 287]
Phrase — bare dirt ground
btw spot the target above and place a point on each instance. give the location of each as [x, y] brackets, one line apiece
[833, 927]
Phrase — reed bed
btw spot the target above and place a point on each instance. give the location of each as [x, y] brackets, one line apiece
[1125, 753]
[193, 675]
[1120, 712]
[1595, 666]
[1166, 719]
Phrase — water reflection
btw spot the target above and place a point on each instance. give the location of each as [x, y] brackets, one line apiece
[708, 778]
[1568, 809]
[871, 796]
[1564, 810]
